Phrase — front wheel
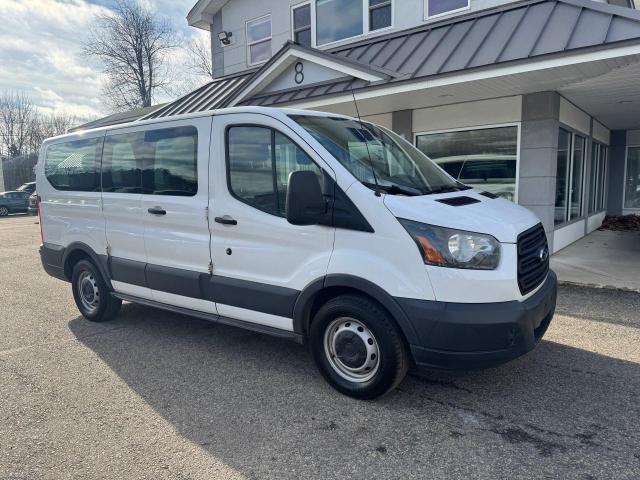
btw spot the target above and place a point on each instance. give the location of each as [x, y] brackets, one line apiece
[4, 211]
[92, 296]
[358, 347]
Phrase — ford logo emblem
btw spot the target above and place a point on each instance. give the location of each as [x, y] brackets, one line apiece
[544, 254]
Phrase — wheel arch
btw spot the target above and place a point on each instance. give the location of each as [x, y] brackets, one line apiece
[320, 291]
[79, 251]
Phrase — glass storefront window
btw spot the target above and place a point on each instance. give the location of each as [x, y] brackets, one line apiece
[569, 176]
[603, 157]
[632, 179]
[562, 174]
[597, 177]
[577, 175]
[482, 158]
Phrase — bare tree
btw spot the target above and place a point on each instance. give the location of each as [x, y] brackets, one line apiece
[16, 115]
[46, 126]
[132, 44]
[199, 57]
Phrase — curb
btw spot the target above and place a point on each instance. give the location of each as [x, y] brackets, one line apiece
[568, 283]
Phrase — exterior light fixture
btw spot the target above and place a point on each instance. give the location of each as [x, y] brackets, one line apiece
[225, 37]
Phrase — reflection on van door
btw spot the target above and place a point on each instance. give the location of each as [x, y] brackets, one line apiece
[174, 205]
[122, 163]
[261, 262]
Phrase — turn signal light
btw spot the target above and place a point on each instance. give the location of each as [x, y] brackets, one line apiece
[431, 255]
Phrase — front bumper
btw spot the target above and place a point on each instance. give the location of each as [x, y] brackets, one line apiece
[479, 335]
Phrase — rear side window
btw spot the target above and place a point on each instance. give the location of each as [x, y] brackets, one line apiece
[260, 161]
[74, 166]
[154, 162]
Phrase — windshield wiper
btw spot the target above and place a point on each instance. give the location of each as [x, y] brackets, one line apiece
[394, 189]
[448, 189]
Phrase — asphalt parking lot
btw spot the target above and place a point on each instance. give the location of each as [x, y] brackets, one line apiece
[156, 395]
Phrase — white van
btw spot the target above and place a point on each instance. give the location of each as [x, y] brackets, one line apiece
[310, 226]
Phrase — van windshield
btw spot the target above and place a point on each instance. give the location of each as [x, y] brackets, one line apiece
[380, 159]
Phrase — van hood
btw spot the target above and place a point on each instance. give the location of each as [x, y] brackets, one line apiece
[500, 218]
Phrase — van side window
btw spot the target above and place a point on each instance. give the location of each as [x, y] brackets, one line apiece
[153, 162]
[74, 166]
[122, 163]
[259, 162]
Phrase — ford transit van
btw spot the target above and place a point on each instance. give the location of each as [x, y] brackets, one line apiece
[315, 227]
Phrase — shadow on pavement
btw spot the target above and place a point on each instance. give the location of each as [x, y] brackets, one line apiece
[258, 404]
[617, 307]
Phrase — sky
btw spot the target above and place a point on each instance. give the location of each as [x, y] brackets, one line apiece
[41, 51]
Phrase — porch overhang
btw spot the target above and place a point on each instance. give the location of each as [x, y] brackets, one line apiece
[328, 67]
[603, 82]
[574, 47]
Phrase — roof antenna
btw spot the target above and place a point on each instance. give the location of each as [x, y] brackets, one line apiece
[377, 191]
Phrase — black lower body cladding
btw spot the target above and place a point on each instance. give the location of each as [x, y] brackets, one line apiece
[440, 335]
[479, 335]
[52, 257]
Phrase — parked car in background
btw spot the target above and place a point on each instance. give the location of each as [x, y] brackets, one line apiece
[27, 187]
[33, 204]
[492, 173]
[14, 202]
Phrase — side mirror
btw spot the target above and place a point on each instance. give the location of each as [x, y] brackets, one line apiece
[305, 203]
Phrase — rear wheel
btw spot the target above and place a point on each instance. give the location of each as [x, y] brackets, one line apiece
[358, 347]
[4, 211]
[93, 298]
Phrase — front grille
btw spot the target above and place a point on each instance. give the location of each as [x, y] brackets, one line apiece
[533, 258]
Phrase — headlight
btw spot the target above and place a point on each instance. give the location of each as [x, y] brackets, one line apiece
[446, 247]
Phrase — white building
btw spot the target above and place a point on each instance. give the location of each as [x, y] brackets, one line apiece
[537, 101]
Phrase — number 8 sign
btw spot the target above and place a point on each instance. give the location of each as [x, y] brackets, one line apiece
[299, 76]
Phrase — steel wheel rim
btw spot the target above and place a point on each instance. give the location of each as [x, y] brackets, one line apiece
[351, 349]
[88, 292]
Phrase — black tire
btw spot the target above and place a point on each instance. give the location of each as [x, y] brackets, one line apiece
[106, 306]
[4, 211]
[393, 355]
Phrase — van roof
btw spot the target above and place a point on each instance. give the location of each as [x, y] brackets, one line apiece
[273, 112]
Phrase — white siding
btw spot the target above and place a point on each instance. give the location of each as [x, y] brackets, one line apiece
[565, 236]
[384, 119]
[595, 221]
[573, 117]
[469, 114]
[601, 133]
[633, 137]
[235, 14]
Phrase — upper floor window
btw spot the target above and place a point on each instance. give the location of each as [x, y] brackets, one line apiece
[379, 14]
[259, 40]
[302, 24]
[337, 20]
[435, 8]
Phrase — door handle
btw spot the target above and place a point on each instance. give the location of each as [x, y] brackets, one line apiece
[226, 220]
[157, 211]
